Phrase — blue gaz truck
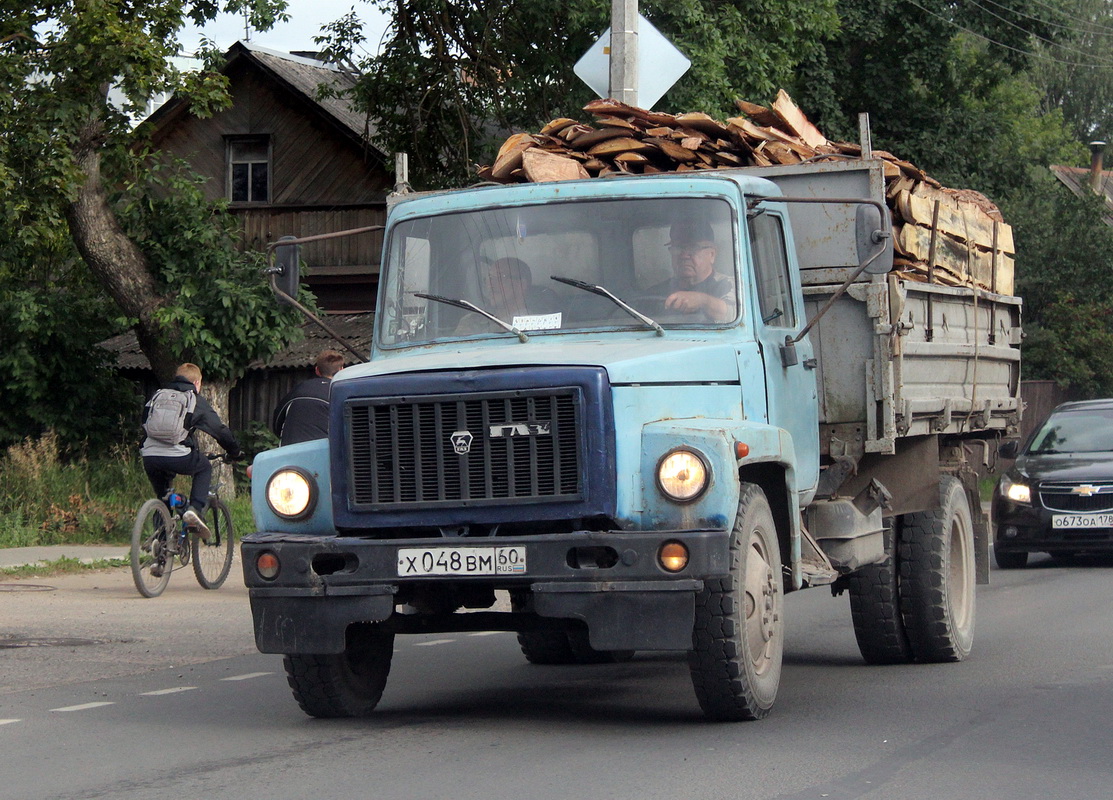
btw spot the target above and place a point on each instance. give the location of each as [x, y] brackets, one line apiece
[610, 471]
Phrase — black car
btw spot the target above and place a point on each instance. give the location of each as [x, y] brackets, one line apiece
[1058, 496]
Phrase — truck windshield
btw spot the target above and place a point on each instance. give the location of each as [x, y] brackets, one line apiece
[672, 260]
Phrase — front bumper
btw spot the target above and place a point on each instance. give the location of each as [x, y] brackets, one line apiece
[1028, 529]
[325, 584]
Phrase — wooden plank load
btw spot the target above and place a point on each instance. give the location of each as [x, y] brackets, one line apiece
[949, 236]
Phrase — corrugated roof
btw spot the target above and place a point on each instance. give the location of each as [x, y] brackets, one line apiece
[1077, 179]
[355, 329]
[306, 76]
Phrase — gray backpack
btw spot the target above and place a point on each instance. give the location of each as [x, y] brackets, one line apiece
[166, 418]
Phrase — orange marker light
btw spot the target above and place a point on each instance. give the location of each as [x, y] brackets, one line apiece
[673, 556]
[741, 449]
[266, 564]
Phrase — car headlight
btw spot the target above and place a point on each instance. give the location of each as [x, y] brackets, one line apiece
[291, 493]
[682, 475]
[1017, 492]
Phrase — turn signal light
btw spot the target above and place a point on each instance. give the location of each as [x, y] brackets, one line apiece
[741, 449]
[673, 556]
[266, 564]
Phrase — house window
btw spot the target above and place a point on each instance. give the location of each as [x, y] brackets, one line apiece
[249, 169]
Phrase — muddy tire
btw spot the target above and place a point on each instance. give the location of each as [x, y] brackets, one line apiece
[738, 638]
[875, 608]
[937, 577]
[348, 684]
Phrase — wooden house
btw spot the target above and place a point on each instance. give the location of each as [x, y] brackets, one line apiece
[291, 162]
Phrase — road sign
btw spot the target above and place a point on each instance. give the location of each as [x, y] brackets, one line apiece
[660, 64]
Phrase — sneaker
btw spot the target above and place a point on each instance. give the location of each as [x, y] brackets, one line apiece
[194, 522]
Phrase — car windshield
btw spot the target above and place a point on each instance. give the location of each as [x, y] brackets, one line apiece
[531, 267]
[1082, 431]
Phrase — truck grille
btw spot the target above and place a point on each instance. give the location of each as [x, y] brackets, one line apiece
[476, 449]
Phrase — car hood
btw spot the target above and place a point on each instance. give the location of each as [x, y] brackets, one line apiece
[1067, 467]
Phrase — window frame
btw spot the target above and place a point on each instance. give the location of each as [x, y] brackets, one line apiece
[230, 143]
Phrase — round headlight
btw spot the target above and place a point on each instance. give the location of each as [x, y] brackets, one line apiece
[682, 475]
[291, 493]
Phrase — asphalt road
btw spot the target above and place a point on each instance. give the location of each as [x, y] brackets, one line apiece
[169, 699]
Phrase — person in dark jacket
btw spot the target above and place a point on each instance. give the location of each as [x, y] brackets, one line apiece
[163, 461]
[303, 413]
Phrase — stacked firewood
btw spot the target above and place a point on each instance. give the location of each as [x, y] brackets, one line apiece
[962, 230]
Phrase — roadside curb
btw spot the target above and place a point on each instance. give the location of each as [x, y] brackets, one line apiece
[28, 556]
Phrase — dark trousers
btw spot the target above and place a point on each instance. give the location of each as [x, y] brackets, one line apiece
[162, 469]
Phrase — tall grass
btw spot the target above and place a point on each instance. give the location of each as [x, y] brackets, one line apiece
[46, 500]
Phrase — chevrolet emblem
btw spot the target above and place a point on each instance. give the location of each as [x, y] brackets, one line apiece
[1086, 490]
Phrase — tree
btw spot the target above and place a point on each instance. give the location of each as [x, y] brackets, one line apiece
[67, 157]
[454, 77]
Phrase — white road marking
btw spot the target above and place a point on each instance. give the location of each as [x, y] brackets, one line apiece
[247, 676]
[9, 721]
[433, 642]
[486, 633]
[84, 706]
[175, 690]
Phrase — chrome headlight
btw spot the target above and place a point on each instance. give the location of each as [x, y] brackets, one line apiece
[291, 493]
[1017, 492]
[682, 475]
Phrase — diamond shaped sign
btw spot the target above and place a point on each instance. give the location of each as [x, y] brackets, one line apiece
[660, 64]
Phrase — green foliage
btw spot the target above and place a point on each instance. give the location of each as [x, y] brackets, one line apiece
[218, 299]
[45, 499]
[453, 78]
[1073, 345]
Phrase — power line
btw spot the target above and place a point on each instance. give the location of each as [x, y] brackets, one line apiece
[1094, 28]
[1028, 53]
[1048, 42]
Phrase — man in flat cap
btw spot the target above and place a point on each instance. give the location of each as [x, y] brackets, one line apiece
[695, 286]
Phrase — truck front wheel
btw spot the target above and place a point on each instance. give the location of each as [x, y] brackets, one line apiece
[347, 684]
[937, 577]
[738, 639]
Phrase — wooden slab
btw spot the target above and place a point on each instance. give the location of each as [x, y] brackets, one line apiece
[963, 221]
[794, 118]
[540, 166]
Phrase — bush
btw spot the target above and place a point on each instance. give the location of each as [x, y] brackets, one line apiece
[46, 500]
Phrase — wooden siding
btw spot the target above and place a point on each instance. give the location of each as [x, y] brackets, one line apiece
[343, 256]
[314, 162]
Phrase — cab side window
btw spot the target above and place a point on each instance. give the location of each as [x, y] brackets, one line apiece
[774, 288]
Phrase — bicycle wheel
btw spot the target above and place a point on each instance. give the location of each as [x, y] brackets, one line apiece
[151, 562]
[212, 560]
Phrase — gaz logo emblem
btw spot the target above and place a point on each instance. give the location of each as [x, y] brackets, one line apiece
[461, 442]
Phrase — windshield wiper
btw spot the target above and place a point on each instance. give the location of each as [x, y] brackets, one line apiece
[464, 304]
[599, 290]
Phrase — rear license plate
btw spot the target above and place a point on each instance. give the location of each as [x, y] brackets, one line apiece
[1082, 521]
[415, 561]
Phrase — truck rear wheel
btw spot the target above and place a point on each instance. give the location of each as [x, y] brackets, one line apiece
[571, 647]
[347, 684]
[937, 577]
[738, 639]
[875, 607]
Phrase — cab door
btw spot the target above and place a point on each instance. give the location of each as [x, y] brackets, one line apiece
[790, 391]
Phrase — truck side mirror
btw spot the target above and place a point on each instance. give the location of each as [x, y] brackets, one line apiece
[287, 262]
[870, 235]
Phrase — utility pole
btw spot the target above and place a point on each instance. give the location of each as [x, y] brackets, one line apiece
[624, 51]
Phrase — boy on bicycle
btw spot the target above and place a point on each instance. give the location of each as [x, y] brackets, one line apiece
[169, 420]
